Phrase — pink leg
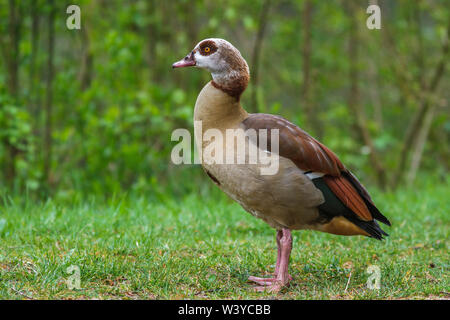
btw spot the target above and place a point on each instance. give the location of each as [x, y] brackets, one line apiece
[277, 266]
[281, 276]
[268, 281]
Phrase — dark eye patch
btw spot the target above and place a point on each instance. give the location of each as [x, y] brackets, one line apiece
[204, 51]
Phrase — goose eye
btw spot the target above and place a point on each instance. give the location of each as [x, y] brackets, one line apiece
[207, 49]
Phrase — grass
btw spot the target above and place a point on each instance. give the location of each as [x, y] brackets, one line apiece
[205, 246]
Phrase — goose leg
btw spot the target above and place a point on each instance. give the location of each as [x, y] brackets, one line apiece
[281, 275]
[268, 281]
[277, 267]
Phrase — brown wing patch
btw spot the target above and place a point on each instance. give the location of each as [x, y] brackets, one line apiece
[345, 191]
[295, 144]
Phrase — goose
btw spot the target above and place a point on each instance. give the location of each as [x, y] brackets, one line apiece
[312, 189]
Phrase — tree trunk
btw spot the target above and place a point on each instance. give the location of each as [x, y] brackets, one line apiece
[11, 54]
[152, 39]
[418, 126]
[49, 98]
[354, 98]
[419, 146]
[34, 98]
[311, 117]
[85, 76]
[191, 15]
[257, 53]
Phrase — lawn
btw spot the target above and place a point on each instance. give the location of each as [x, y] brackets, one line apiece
[204, 246]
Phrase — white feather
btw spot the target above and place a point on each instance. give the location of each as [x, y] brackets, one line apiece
[313, 175]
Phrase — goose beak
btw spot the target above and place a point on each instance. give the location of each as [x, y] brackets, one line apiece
[188, 61]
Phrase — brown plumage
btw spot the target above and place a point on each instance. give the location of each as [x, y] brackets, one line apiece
[343, 189]
[308, 154]
[312, 188]
[305, 151]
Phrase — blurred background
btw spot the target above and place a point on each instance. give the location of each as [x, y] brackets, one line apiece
[91, 111]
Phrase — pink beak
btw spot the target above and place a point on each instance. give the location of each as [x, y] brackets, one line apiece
[188, 61]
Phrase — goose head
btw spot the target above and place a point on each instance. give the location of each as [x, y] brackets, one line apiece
[228, 68]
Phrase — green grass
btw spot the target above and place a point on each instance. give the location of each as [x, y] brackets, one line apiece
[205, 246]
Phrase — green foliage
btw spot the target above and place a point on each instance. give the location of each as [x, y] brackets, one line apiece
[116, 99]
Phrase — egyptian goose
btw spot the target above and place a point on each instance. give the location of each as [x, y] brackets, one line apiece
[312, 189]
